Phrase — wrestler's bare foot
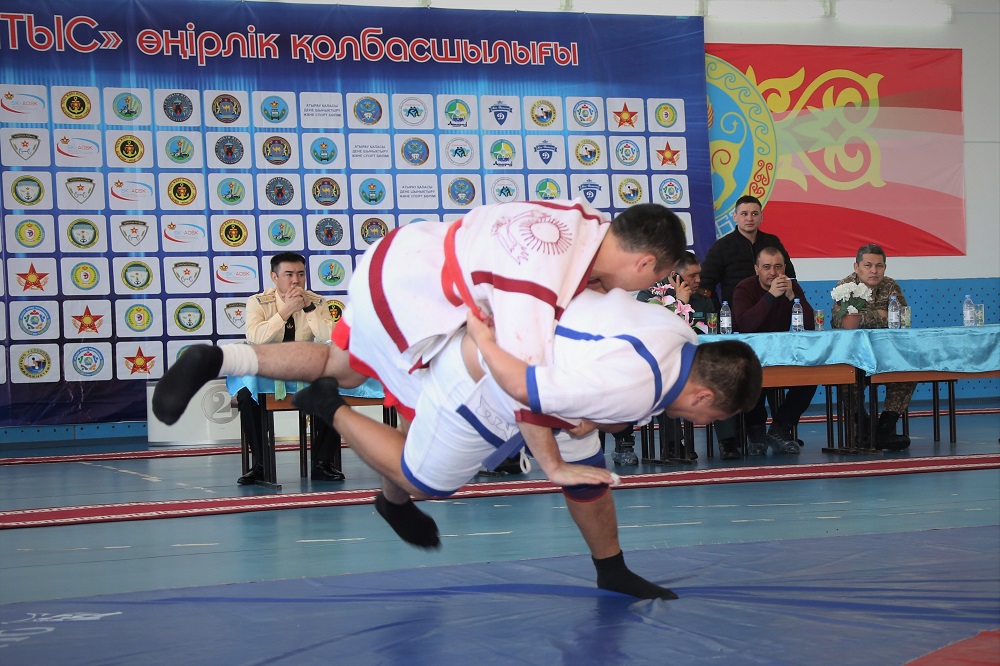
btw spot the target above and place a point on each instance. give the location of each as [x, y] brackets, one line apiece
[614, 575]
[194, 368]
[410, 523]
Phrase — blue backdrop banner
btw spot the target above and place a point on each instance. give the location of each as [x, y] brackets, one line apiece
[156, 155]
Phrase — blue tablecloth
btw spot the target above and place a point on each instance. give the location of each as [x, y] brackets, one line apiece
[370, 389]
[947, 349]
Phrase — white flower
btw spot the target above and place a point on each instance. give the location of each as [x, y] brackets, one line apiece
[852, 310]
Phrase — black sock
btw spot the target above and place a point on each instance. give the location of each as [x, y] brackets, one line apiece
[193, 369]
[612, 574]
[321, 398]
[410, 523]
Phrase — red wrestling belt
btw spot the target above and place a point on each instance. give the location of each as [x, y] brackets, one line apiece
[451, 274]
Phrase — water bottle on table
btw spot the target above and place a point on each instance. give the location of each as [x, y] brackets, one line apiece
[893, 312]
[968, 311]
[725, 319]
[798, 323]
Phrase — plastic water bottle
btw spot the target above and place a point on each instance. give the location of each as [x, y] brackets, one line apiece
[893, 312]
[725, 319]
[968, 311]
[797, 318]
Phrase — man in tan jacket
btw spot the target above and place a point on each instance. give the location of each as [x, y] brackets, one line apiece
[284, 313]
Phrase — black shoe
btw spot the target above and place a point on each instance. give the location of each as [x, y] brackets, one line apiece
[729, 449]
[885, 434]
[325, 471]
[510, 466]
[255, 474]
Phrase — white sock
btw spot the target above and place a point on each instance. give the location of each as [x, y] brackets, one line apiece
[238, 360]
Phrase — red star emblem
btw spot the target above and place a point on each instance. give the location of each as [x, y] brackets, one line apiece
[88, 321]
[668, 155]
[626, 116]
[32, 279]
[139, 362]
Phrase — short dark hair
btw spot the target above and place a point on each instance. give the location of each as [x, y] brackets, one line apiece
[286, 258]
[651, 228]
[871, 248]
[770, 249]
[731, 370]
[748, 198]
[687, 259]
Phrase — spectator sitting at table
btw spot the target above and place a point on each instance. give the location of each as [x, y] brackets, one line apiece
[763, 304]
[869, 269]
[731, 258]
[287, 312]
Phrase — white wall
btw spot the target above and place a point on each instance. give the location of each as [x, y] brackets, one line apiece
[975, 29]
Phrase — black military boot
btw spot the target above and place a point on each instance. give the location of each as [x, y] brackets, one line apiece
[885, 435]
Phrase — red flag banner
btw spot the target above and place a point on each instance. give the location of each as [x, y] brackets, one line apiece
[844, 145]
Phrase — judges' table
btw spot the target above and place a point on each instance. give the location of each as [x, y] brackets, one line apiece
[274, 395]
[943, 354]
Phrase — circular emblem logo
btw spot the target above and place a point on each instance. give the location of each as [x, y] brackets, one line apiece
[587, 152]
[129, 149]
[138, 318]
[503, 152]
[181, 191]
[231, 191]
[27, 190]
[88, 361]
[75, 105]
[279, 191]
[34, 363]
[281, 232]
[323, 150]
[180, 150]
[629, 190]
[373, 229]
[415, 151]
[665, 115]
[671, 191]
[85, 276]
[29, 233]
[371, 191]
[233, 232]
[329, 231]
[229, 150]
[331, 272]
[127, 106]
[336, 309]
[745, 147]
[460, 151]
[585, 113]
[547, 189]
[368, 111]
[274, 109]
[457, 113]
[326, 191]
[412, 111]
[277, 150]
[226, 109]
[189, 317]
[543, 113]
[136, 275]
[34, 320]
[177, 107]
[462, 191]
[82, 233]
[504, 190]
[628, 152]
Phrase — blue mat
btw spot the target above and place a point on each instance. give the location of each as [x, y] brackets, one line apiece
[875, 599]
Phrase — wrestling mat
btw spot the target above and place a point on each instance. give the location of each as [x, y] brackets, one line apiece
[932, 596]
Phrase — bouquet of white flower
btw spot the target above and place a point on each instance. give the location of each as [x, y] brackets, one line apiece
[663, 295]
[851, 297]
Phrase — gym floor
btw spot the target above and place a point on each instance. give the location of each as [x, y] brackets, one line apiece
[872, 569]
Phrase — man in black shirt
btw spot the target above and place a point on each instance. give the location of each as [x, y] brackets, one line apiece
[731, 258]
